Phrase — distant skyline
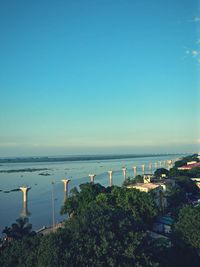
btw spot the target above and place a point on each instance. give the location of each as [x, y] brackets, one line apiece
[101, 76]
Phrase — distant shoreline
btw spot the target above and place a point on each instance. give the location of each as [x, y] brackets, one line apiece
[25, 170]
[78, 158]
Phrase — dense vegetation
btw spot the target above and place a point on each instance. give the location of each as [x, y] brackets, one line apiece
[112, 227]
[159, 172]
[107, 228]
[133, 180]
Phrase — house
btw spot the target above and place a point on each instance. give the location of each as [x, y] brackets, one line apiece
[189, 166]
[163, 224]
[145, 187]
[157, 188]
[191, 162]
[197, 181]
[147, 178]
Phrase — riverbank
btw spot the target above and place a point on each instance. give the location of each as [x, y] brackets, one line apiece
[79, 158]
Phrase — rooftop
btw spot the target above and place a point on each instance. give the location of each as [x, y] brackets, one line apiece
[165, 220]
[148, 186]
[189, 167]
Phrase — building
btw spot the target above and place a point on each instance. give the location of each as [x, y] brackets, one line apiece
[147, 178]
[191, 162]
[163, 224]
[189, 166]
[157, 188]
[145, 187]
[197, 181]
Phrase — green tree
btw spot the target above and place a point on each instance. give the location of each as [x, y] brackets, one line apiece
[138, 179]
[176, 197]
[194, 172]
[78, 200]
[186, 237]
[174, 172]
[158, 173]
[21, 253]
[187, 227]
[187, 185]
[18, 230]
[103, 236]
[141, 205]
[129, 181]
[53, 249]
[97, 236]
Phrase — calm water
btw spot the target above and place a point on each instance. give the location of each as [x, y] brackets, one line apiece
[40, 195]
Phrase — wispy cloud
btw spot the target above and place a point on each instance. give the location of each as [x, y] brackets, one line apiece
[193, 53]
[196, 19]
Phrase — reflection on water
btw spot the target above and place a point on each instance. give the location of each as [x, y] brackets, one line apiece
[24, 212]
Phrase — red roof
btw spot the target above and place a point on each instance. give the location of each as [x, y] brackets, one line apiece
[190, 166]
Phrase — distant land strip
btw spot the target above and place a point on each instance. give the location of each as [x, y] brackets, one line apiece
[78, 158]
[24, 170]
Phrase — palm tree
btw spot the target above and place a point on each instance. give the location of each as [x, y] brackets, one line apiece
[18, 230]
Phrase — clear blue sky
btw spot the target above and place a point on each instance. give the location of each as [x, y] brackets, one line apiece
[98, 76]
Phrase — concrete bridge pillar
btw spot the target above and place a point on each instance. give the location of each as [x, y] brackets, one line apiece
[135, 171]
[143, 169]
[110, 177]
[66, 182]
[150, 167]
[124, 172]
[164, 163]
[92, 177]
[24, 190]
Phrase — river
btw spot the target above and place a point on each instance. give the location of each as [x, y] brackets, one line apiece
[39, 204]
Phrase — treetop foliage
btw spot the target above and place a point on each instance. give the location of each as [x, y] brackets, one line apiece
[103, 233]
[140, 204]
[133, 180]
[187, 227]
[161, 171]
